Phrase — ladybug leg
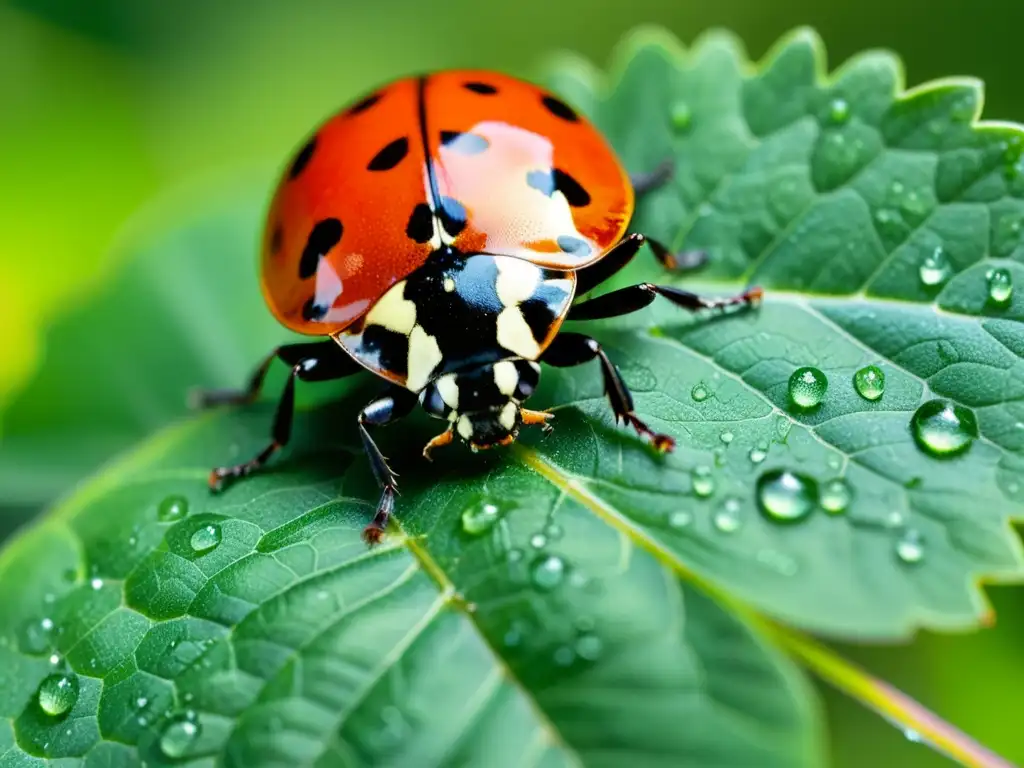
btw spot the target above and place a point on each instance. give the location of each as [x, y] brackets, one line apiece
[327, 361]
[622, 253]
[569, 349]
[636, 297]
[378, 413]
[291, 354]
[652, 180]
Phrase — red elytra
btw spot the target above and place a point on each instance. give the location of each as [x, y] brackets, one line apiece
[344, 223]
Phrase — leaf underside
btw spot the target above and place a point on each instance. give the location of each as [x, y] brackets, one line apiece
[292, 644]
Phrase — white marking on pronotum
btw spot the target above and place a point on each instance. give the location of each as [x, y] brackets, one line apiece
[517, 280]
[449, 390]
[507, 417]
[514, 334]
[424, 355]
[506, 377]
[465, 427]
[393, 311]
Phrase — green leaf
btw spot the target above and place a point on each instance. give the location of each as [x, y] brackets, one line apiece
[291, 643]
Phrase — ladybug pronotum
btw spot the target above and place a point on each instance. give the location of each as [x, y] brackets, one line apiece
[437, 232]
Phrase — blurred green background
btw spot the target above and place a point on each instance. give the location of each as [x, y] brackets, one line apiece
[107, 105]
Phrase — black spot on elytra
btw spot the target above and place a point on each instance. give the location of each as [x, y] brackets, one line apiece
[311, 311]
[539, 310]
[548, 181]
[325, 235]
[390, 156]
[573, 245]
[464, 143]
[559, 108]
[453, 216]
[365, 104]
[484, 89]
[276, 239]
[302, 159]
[421, 224]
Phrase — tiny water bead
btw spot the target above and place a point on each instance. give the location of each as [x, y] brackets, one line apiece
[538, 541]
[699, 393]
[836, 496]
[942, 428]
[205, 539]
[1000, 286]
[680, 519]
[727, 519]
[703, 482]
[58, 693]
[179, 735]
[547, 572]
[726, 437]
[758, 453]
[807, 387]
[172, 509]
[910, 546]
[682, 116]
[35, 636]
[869, 382]
[934, 269]
[839, 111]
[479, 518]
[588, 647]
[785, 496]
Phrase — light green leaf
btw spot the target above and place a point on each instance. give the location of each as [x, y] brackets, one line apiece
[263, 613]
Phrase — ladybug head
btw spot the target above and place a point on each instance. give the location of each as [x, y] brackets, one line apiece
[483, 402]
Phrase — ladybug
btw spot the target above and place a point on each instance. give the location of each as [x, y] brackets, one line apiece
[437, 232]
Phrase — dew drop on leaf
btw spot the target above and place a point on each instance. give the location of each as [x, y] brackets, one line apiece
[1000, 286]
[726, 437]
[205, 539]
[179, 735]
[839, 111]
[785, 496]
[703, 482]
[807, 387]
[727, 518]
[538, 541]
[565, 656]
[34, 637]
[682, 116]
[910, 547]
[58, 693]
[679, 519]
[172, 509]
[758, 453]
[942, 428]
[836, 496]
[934, 269]
[699, 393]
[514, 555]
[553, 531]
[588, 647]
[547, 572]
[478, 518]
[96, 583]
[869, 382]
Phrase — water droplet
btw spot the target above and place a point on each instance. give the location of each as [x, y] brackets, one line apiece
[727, 518]
[869, 382]
[172, 509]
[55, 659]
[179, 735]
[942, 428]
[1000, 286]
[682, 116]
[758, 453]
[58, 693]
[699, 393]
[839, 111]
[703, 482]
[547, 572]
[205, 539]
[538, 541]
[836, 496]
[786, 496]
[514, 555]
[96, 583]
[141, 702]
[565, 656]
[910, 546]
[719, 457]
[911, 735]
[480, 517]
[589, 647]
[807, 387]
[934, 269]
[894, 519]
[554, 531]
[680, 519]
[726, 437]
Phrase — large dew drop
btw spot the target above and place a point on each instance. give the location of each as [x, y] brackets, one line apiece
[58, 693]
[807, 387]
[942, 428]
[205, 539]
[179, 735]
[869, 382]
[479, 518]
[1000, 286]
[910, 547]
[934, 269]
[547, 572]
[785, 496]
[172, 509]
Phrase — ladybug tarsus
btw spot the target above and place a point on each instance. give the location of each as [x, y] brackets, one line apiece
[445, 438]
[645, 183]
